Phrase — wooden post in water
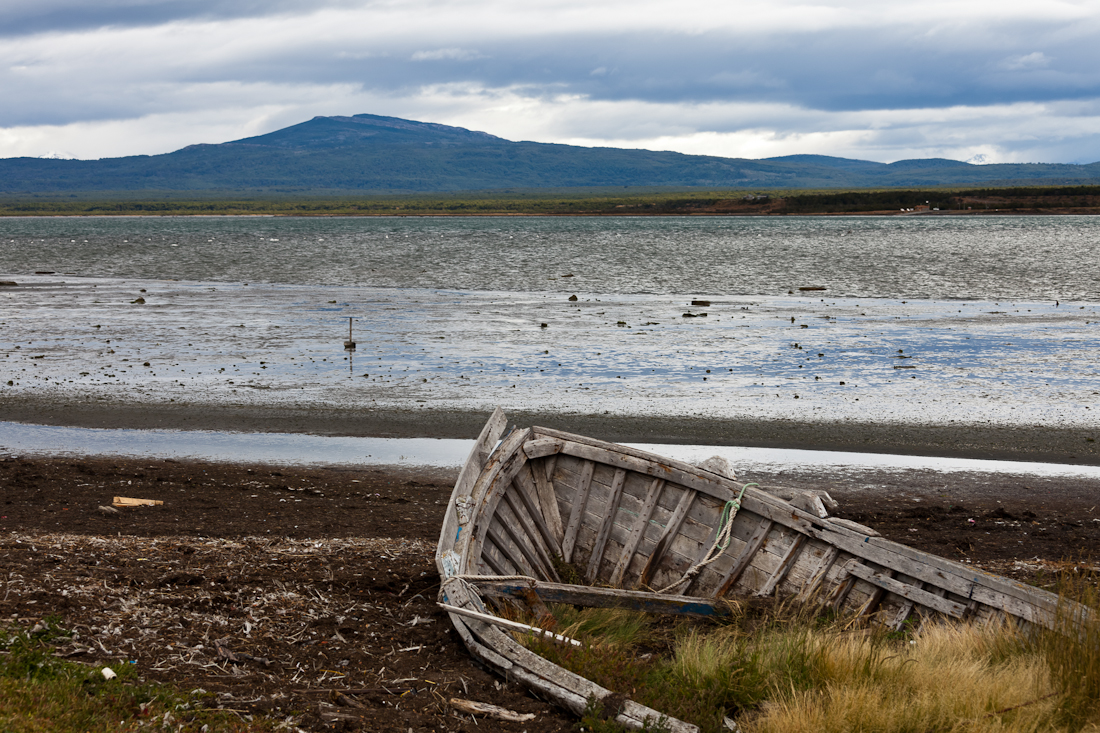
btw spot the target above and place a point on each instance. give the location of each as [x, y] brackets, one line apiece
[349, 345]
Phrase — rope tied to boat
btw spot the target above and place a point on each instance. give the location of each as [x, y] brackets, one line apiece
[721, 540]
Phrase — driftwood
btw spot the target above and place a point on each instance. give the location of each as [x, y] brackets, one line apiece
[125, 501]
[490, 711]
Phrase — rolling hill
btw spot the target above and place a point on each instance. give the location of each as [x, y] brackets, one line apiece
[372, 154]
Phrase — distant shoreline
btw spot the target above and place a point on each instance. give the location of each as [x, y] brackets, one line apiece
[1046, 200]
[535, 214]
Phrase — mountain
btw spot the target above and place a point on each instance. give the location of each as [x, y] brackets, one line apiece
[369, 153]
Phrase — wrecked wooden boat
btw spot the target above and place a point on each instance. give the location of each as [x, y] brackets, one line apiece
[660, 535]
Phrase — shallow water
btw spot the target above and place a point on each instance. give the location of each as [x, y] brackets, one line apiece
[83, 340]
[1032, 258]
[297, 449]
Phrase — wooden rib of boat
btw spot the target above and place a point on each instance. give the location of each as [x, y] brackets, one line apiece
[632, 522]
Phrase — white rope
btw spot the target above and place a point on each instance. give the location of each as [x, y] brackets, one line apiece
[721, 541]
[491, 577]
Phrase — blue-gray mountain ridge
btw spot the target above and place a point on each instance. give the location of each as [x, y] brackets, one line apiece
[373, 154]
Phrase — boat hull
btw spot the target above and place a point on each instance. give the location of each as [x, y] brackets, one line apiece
[630, 528]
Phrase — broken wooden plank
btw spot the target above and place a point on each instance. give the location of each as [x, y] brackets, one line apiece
[549, 504]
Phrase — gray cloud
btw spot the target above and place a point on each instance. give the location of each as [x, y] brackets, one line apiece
[769, 72]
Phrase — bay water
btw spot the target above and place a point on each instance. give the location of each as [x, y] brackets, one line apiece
[943, 319]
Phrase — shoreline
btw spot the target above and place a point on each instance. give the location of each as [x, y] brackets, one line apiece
[554, 214]
[1033, 443]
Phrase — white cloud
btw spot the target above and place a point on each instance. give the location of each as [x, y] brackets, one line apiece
[447, 54]
[1034, 60]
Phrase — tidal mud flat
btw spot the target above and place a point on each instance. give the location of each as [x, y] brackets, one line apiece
[950, 378]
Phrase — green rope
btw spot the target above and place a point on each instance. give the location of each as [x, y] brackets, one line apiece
[721, 539]
[731, 509]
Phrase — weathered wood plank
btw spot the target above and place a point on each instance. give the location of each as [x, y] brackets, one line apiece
[479, 454]
[502, 467]
[636, 532]
[611, 510]
[493, 560]
[542, 447]
[784, 566]
[818, 577]
[549, 504]
[523, 535]
[467, 477]
[882, 580]
[551, 462]
[522, 507]
[743, 559]
[576, 516]
[872, 602]
[522, 485]
[671, 530]
[845, 581]
[904, 610]
[519, 555]
[592, 597]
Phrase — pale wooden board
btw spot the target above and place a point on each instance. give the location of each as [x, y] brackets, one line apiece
[547, 502]
[790, 557]
[511, 518]
[635, 547]
[668, 534]
[497, 536]
[490, 486]
[807, 563]
[485, 442]
[534, 523]
[607, 564]
[574, 510]
[611, 508]
[771, 555]
[494, 562]
[727, 575]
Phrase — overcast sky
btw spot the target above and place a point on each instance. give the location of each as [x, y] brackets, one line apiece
[983, 80]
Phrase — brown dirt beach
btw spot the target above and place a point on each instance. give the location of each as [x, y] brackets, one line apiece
[308, 593]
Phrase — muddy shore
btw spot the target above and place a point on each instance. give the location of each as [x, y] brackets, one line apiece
[308, 594]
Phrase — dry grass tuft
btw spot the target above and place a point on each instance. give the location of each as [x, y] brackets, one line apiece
[794, 672]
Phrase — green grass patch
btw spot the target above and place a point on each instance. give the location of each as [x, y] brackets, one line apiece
[40, 692]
